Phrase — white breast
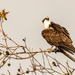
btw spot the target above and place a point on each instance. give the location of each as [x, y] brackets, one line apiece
[47, 23]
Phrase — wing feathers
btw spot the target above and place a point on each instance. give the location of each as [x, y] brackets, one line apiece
[59, 37]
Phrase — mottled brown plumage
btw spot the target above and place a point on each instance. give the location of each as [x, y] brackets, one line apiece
[58, 36]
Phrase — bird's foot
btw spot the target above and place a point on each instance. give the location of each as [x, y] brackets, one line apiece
[56, 50]
[52, 49]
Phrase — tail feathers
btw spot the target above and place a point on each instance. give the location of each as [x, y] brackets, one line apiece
[71, 49]
[68, 49]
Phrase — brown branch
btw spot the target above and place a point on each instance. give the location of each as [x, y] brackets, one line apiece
[39, 51]
[9, 72]
[70, 57]
[49, 50]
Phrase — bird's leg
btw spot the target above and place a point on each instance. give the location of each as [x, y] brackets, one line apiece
[53, 48]
[57, 50]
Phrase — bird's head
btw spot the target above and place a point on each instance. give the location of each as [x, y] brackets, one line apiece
[46, 22]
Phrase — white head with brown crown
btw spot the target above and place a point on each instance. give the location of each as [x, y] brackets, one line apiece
[46, 22]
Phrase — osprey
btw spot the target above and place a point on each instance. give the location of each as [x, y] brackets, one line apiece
[57, 35]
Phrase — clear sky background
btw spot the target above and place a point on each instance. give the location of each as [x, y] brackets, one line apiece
[25, 20]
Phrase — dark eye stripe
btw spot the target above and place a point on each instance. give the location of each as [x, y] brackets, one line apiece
[43, 20]
[47, 18]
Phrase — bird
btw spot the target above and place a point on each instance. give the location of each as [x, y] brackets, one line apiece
[57, 35]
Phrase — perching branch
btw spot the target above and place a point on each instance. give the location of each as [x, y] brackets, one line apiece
[70, 57]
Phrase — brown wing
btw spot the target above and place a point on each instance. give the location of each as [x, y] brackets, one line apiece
[52, 37]
[61, 29]
[58, 38]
